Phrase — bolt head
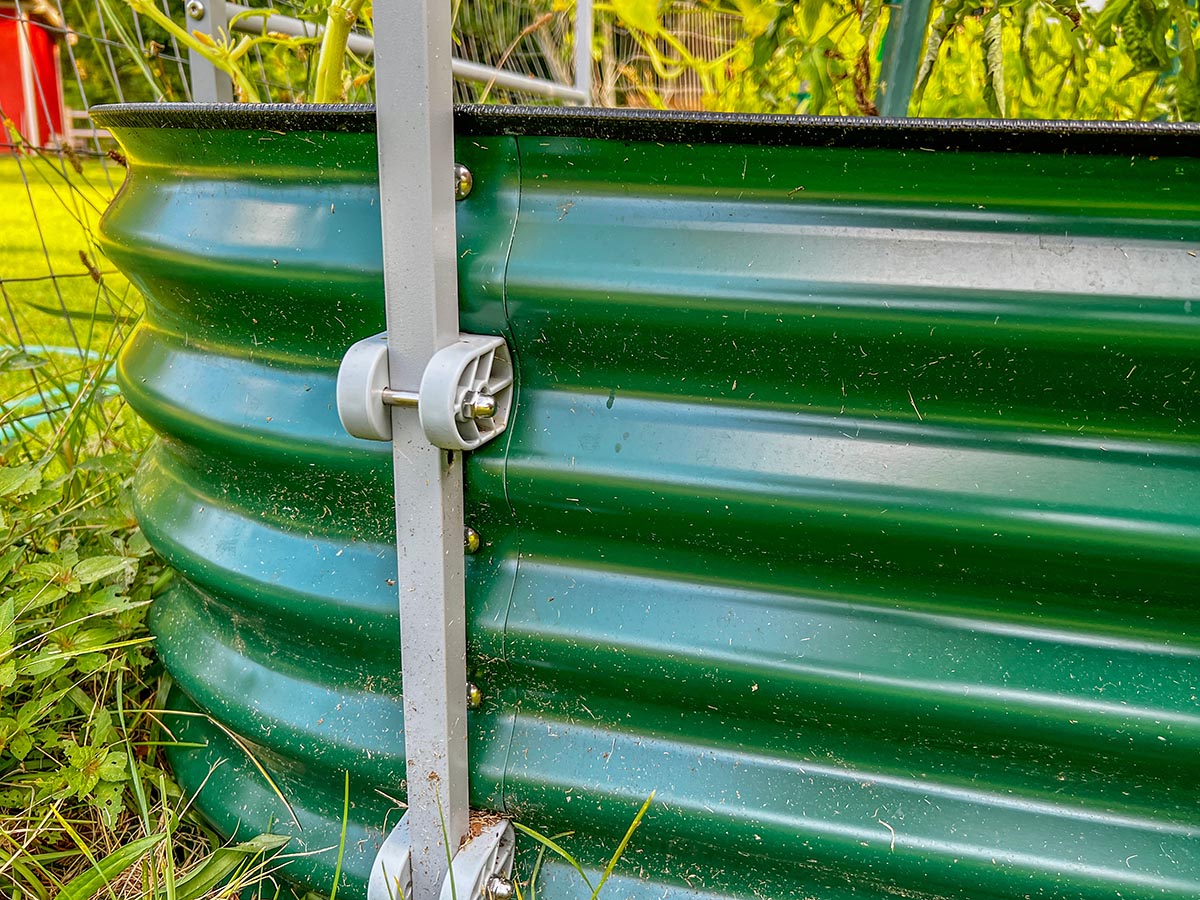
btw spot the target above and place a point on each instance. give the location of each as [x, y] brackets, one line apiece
[195, 9]
[463, 181]
[471, 540]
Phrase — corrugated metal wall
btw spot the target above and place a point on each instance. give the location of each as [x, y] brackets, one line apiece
[850, 501]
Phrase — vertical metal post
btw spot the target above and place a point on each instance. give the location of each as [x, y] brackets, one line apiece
[209, 84]
[414, 109]
[902, 46]
[585, 25]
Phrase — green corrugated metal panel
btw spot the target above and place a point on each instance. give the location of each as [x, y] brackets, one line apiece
[850, 500]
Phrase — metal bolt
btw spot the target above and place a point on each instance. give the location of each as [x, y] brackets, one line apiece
[195, 9]
[499, 888]
[463, 181]
[477, 405]
[472, 540]
[474, 696]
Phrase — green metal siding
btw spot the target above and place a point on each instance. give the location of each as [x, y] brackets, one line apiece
[850, 501]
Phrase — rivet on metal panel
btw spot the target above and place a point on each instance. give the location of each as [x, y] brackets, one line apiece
[471, 540]
[195, 9]
[463, 181]
[474, 696]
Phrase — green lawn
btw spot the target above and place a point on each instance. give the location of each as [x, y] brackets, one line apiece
[80, 772]
[62, 303]
[49, 218]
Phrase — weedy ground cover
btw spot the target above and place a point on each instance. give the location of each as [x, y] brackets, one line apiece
[86, 805]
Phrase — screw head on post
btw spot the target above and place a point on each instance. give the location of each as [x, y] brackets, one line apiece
[471, 540]
[463, 181]
[474, 696]
[195, 9]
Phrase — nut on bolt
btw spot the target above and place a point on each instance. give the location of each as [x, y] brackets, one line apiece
[463, 181]
[195, 9]
[478, 405]
[499, 888]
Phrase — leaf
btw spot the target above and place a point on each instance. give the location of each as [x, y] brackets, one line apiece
[951, 12]
[639, 14]
[96, 567]
[1067, 9]
[19, 480]
[102, 732]
[223, 863]
[810, 14]
[108, 798]
[1110, 15]
[993, 63]
[767, 44]
[8, 562]
[16, 360]
[84, 886]
[20, 745]
[8, 626]
[90, 663]
[115, 767]
[871, 10]
[45, 662]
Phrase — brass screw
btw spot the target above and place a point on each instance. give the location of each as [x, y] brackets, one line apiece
[474, 696]
[472, 540]
[463, 181]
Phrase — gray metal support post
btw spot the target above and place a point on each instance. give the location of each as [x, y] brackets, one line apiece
[208, 83]
[585, 25]
[414, 109]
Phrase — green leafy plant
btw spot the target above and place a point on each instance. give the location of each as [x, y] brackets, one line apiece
[1120, 59]
[236, 55]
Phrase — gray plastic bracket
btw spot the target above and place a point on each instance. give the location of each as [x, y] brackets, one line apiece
[391, 874]
[481, 870]
[464, 399]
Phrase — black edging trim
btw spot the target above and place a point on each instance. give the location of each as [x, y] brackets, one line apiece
[358, 118]
[671, 127]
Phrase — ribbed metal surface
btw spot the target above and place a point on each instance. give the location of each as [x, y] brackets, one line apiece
[850, 503]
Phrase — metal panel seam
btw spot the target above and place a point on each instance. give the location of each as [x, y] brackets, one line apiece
[515, 351]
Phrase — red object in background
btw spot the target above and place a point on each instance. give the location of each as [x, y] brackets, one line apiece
[30, 79]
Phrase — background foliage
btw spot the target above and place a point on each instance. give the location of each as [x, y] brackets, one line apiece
[1103, 59]
[1106, 59]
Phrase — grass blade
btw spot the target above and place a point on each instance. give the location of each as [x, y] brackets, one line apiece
[557, 848]
[224, 863]
[616, 857]
[337, 872]
[102, 872]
